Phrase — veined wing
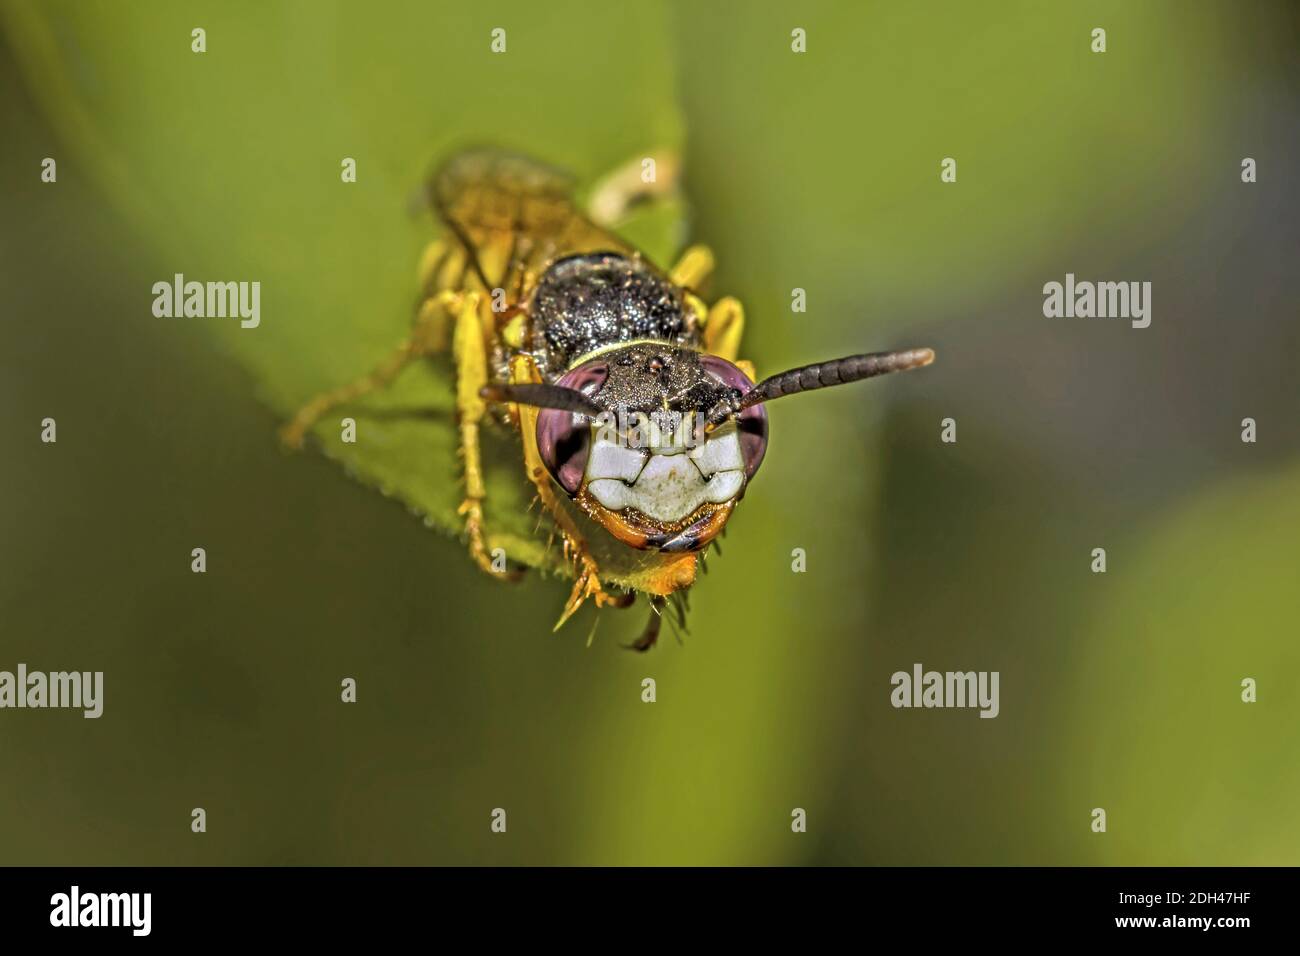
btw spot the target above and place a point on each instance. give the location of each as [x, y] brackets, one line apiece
[511, 216]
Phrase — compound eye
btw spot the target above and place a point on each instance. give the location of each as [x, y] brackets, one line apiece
[564, 438]
[752, 422]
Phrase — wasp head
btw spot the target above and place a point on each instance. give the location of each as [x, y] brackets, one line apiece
[658, 442]
[643, 461]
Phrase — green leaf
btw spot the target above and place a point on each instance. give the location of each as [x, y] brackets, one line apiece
[230, 161]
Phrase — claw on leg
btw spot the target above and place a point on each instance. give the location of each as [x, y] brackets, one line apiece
[651, 633]
[471, 510]
[586, 585]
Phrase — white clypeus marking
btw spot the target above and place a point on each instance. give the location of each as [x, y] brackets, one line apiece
[666, 483]
[611, 460]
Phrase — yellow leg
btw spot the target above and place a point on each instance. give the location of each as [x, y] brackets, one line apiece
[693, 268]
[432, 322]
[420, 343]
[442, 266]
[471, 375]
[431, 263]
[724, 327]
[587, 585]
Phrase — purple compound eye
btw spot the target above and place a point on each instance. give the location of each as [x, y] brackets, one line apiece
[563, 438]
[752, 422]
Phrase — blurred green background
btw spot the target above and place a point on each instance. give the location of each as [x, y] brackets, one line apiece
[817, 170]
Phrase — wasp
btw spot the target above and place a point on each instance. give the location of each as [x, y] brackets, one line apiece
[625, 387]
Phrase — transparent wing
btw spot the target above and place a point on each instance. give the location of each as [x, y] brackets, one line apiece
[513, 215]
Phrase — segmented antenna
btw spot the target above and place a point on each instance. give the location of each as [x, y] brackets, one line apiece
[822, 375]
[543, 396]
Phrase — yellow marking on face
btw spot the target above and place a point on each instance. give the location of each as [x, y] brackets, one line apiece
[513, 333]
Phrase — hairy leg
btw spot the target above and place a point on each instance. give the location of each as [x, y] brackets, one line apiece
[470, 354]
[419, 343]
